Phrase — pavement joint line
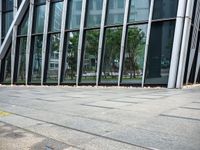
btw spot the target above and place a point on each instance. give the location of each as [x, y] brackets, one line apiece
[38, 134]
[196, 102]
[71, 115]
[117, 101]
[190, 108]
[82, 131]
[179, 117]
[97, 106]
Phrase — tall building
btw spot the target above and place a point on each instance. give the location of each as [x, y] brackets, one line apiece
[100, 42]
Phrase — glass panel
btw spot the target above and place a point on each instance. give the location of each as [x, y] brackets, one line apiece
[74, 14]
[90, 56]
[94, 13]
[7, 20]
[139, 10]
[39, 17]
[53, 58]
[70, 65]
[165, 9]
[21, 60]
[111, 55]
[134, 54]
[23, 27]
[36, 59]
[55, 16]
[6, 68]
[19, 3]
[115, 13]
[7, 5]
[40, 1]
[159, 53]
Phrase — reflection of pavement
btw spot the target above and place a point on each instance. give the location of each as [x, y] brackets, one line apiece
[99, 118]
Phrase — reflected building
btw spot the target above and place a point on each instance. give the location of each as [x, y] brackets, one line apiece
[97, 42]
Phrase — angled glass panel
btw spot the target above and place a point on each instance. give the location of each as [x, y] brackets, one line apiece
[159, 52]
[139, 10]
[7, 5]
[23, 27]
[53, 58]
[111, 55]
[6, 22]
[36, 59]
[165, 9]
[74, 14]
[94, 13]
[40, 2]
[55, 16]
[5, 71]
[134, 54]
[39, 16]
[70, 57]
[115, 12]
[90, 56]
[21, 60]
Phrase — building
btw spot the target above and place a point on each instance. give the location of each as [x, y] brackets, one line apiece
[100, 42]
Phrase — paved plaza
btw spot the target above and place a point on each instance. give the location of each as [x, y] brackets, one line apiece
[90, 118]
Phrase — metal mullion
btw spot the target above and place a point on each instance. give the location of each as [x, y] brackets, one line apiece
[0, 29]
[101, 39]
[62, 38]
[123, 40]
[147, 41]
[80, 42]
[45, 34]
[197, 64]
[14, 40]
[28, 43]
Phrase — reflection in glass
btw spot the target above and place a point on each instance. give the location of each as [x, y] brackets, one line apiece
[70, 53]
[111, 55]
[94, 13]
[55, 16]
[7, 5]
[36, 59]
[53, 58]
[165, 9]
[40, 1]
[159, 52]
[134, 54]
[21, 60]
[6, 68]
[139, 10]
[115, 14]
[23, 27]
[90, 55]
[7, 20]
[74, 14]
[39, 17]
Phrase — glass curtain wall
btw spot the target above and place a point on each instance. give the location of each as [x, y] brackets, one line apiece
[70, 52]
[36, 42]
[20, 57]
[52, 51]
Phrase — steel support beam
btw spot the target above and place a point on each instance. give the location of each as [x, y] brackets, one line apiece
[123, 40]
[44, 44]
[16, 21]
[147, 41]
[14, 41]
[197, 65]
[101, 38]
[184, 45]
[0, 28]
[62, 39]
[80, 41]
[28, 43]
[194, 43]
[177, 43]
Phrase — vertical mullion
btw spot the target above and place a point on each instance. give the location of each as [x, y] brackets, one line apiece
[62, 37]
[0, 29]
[80, 42]
[101, 38]
[44, 44]
[197, 65]
[123, 40]
[28, 43]
[14, 41]
[147, 40]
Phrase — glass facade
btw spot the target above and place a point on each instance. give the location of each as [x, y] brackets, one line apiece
[112, 52]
